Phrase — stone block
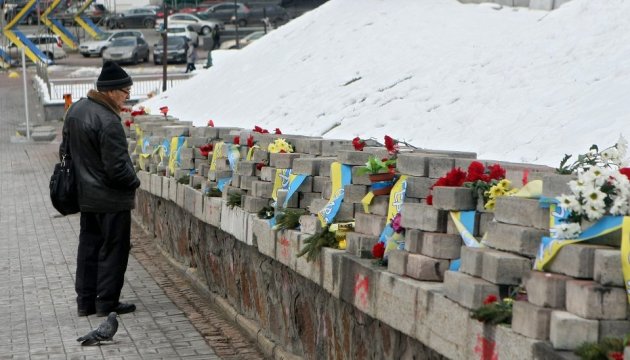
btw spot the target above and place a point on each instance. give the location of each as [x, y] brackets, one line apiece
[546, 289]
[466, 290]
[413, 240]
[261, 156]
[331, 147]
[319, 182]
[418, 187]
[234, 221]
[181, 193]
[591, 300]
[439, 166]
[360, 244]
[396, 302]
[575, 260]
[246, 182]
[306, 166]
[306, 198]
[246, 168]
[397, 262]
[156, 185]
[369, 224]
[268, 174]
[413, 164]
[199, 205]
[423, 217]
[607, 267]
[254, 204]
[514, 238]
[531, 320]
[359, 285]
[483, 222]
[317, 205]
[354, 193]
[613, 328]
[145, 180]
[332, 277]
[362, 179]
[568, 331]
[472, 260]
[379, 205]
[287, 247]
[264, 237]
[422, 267]
[176, 130]
[310, 224]
[172, 189]
[165, 186]
[311, 270]
[324, 167]
[197, 181]
[315, 146]
[441, 246]
[205, 132]
[345, 213]
[236, 181]
[504, 268]
[453, 198]
[353, 157]
[282, 160]
[327, 190]
[189, 199]
[555, 184]
[521, 211]
[212, 210]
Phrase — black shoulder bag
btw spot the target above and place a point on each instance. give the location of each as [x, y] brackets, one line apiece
[63, 187]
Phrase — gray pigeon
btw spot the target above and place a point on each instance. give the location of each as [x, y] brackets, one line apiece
[104, 332]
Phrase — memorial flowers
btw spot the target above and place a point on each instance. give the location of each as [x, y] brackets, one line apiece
[358, 144]
[494, 310]
[611, 157]
[502, 188]
[375, 165]
[280, 146]
[478, 177]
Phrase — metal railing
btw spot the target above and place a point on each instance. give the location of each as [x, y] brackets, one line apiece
[143, 86]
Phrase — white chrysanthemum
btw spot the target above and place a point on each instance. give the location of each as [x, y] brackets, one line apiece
[577, 186]
[619, 206]
[593, 212]
[611, 155]
[595, 175]
[594, 196]
[566, 231]
[570, 202]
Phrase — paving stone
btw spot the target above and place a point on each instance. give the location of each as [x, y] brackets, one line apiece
[413, 164]
[472, 260]
[453, 198]
[514, 238]
[575, 260]
[306, 166]
[422, 267]
[504, 268]
[369, 224]
[360, 244]
[568, 331]
[531, 320]
[397, 262]
[354, 193]
[521, 211]
[413, 240]
[466, 290]
[423, 217]
[607, 267]
[441, 246]
[613, 328]
[591, 300]
[282, 160]
[546, 289]
[555, 185]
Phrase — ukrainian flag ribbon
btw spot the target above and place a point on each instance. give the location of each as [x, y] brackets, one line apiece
[139, 139]
[341, 175]
[174, 160]
[233, 155]
[286, 180]
[389, 237]
[216, 154]
[465, 224]
[250, 152]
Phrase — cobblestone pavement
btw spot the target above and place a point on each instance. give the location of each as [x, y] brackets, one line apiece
[38, 317]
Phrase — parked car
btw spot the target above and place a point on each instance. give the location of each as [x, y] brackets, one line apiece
[133, 18]
[159, 10]
[50, 45]
[225, 12]
[97, 47]
[246, 40]
[276, 14]
[95, 12]
[177, 47]
[184, 30]
[201, 23]
[12, 8]
[127, 49]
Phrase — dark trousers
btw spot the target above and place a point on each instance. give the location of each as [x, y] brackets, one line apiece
[104, 243]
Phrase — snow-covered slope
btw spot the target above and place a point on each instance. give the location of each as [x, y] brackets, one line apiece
[510, 84]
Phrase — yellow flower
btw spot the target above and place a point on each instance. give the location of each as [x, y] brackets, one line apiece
[505, 184]
[496, 191]
[508, 300]
[342, 244]
[490, 204]
[272, 148]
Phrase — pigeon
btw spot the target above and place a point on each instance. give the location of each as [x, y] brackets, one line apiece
[104, 332]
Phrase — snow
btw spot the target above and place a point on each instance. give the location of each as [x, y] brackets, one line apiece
[511, 84]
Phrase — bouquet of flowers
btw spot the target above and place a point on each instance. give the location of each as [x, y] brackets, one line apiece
[280, 146]
[502, 188]
[478, 177]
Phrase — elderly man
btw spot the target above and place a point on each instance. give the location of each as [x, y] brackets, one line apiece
[94, 138]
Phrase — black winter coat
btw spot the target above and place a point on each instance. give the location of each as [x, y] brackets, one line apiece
[105, 175]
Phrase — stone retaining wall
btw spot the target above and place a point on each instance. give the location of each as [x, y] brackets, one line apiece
[343, 305]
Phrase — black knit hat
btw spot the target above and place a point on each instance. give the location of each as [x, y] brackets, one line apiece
[112, 77]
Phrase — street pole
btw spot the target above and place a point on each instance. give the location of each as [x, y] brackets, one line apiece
[164, 45]
[238, 44]
[28, 129]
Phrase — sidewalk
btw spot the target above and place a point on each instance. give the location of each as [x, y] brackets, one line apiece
[37, 264]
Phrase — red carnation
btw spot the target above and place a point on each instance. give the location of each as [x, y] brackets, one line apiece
[615, 355]
[258, 129]
[278, 132]
[138, 112]
[476, 172]
[490, 299]
[250, 141]
[205, 149]
[496, 172]
[237, 140]
[128, 123]
[390, 145]
[525, 178]
[455, 177]
[260, 165]
[378, 250]
[210, 123]
[625, 171]
[358, 144]
[430, 200]
[164, 110]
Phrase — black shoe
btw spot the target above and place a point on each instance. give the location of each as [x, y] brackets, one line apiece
[86, 312]
[122, 308]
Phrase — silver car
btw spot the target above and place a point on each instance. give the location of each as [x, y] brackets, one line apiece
[129, 49]
[96, 47]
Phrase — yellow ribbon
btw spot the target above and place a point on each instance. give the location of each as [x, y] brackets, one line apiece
[216, 154]
[366, 201]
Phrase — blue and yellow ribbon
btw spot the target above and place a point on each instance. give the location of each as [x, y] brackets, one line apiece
[341, 175]
[465, 224]
[174, 160]
[389, 237]
[286, 180]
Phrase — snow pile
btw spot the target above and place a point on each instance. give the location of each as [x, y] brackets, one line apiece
[510, 84]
